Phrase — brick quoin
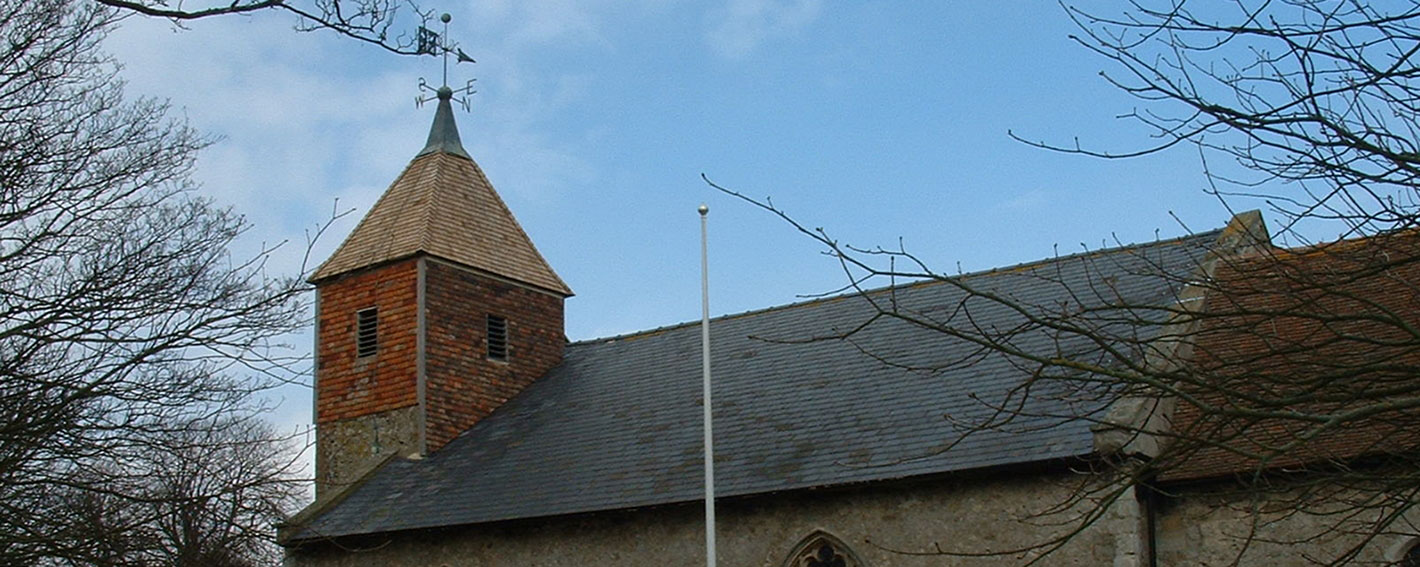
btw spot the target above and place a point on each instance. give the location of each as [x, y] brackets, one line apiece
[462, 386]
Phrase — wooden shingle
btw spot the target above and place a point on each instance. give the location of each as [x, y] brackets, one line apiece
[443, 205]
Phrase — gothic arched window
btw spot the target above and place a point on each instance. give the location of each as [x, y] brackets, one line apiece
[821, 549]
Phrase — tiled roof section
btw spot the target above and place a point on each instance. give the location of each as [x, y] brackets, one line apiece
[443, 205]
[1301, 334]
[617, 425]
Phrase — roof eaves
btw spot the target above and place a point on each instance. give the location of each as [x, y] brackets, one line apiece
[296, 528]
[335, 264]
[554, 279]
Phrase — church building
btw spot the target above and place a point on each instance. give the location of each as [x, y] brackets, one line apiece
[456, 425]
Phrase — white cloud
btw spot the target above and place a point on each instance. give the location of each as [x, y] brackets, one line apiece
[522, 24]
[295, 126]
[745, 24]
[300, 125]
[309, 118]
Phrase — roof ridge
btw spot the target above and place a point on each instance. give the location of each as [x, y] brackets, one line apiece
[817, 415]
[432, 195]
[497, 198]
[919, 283]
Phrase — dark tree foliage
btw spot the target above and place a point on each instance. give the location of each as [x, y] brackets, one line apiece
[131, 340]
[208, 494]
[1281, 382]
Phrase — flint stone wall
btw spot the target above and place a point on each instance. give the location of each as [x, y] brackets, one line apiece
[1219, 525]
[878, 522]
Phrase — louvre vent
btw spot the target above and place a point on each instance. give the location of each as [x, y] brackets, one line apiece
[497, 338]
[367, 338]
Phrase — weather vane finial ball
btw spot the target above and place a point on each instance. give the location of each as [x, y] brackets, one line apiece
[439, 45]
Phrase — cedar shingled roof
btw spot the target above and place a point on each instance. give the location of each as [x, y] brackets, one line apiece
[443, 205]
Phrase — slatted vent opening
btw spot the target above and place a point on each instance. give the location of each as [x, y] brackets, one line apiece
[367, 337]
[497, 338]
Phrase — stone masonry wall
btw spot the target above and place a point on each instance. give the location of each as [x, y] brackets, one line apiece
[346, 449]
[364, 406]
[1217, 525]
[981, 513]
[462, 384]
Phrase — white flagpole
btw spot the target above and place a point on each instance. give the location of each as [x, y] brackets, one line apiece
[705, 372]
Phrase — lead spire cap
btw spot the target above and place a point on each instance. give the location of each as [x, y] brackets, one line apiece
[444, 133]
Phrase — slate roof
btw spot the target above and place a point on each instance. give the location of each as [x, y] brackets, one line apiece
[618, 424]
[443, 204]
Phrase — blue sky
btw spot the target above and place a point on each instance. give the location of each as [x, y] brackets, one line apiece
[877, 121]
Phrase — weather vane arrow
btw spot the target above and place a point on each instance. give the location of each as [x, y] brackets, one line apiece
[430, 42]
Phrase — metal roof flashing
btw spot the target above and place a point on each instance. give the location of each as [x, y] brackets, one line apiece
[444, 133]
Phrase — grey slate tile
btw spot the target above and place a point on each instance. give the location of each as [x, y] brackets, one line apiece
[617, 425]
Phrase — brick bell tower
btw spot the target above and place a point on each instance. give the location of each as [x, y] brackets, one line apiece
[433, 312]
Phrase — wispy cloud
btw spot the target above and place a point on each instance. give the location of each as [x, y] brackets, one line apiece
[743, 25]
[519, 24]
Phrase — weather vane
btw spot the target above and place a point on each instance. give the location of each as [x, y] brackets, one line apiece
[433, 43]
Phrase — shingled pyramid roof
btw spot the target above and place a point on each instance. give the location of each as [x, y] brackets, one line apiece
[443, 205]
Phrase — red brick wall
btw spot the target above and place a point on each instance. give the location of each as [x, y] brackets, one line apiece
[351, 387]
[463, 386]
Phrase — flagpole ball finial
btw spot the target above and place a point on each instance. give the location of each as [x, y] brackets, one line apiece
[445, 18]
[704, 209]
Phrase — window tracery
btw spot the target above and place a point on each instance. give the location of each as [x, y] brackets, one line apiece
[822, 549]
